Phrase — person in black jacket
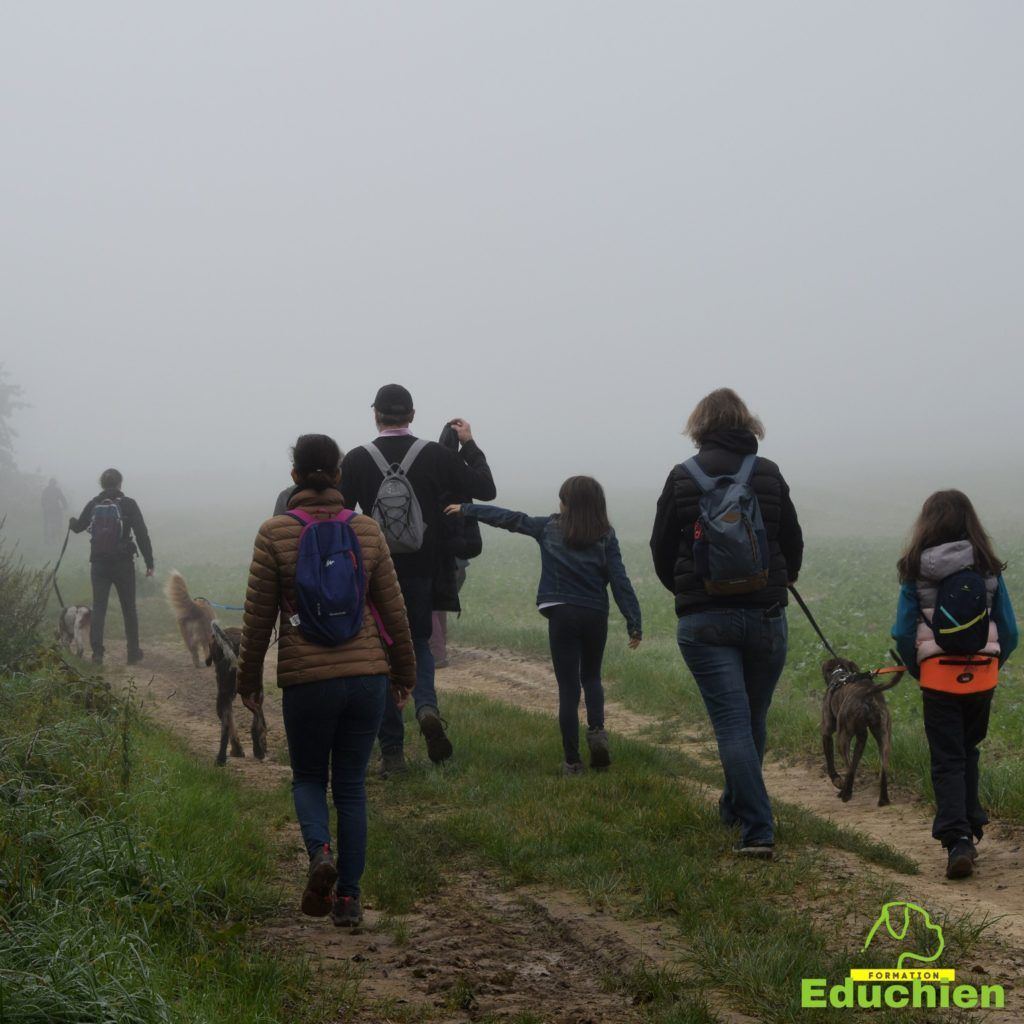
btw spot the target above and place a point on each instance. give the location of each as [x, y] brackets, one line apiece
[435, 472]
[733, 643]
[118, 532]
[460, 542]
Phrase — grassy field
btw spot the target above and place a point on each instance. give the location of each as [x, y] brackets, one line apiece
[851, 588]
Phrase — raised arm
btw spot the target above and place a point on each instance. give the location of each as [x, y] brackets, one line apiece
[262, 604]
[506, 519]
[622, 589]
[467, 475]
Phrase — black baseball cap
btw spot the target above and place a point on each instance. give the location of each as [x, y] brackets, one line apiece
[393, 400]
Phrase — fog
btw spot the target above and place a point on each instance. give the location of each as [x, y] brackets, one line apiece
[227, 224]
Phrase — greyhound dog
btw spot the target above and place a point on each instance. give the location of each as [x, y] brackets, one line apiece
[224, 657]
[854, 704]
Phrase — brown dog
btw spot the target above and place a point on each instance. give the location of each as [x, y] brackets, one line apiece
[194, 617]
[224, 657]
[854, 705]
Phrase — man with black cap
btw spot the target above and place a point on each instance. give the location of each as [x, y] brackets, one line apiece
[431, 471]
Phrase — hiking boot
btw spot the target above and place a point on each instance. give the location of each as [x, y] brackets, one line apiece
[760, 851]
[573, 768]
[346, 912]
[961, 858]
[135, 657]
[439, 747]
[316, 900]
[597, 743]
[392, 762]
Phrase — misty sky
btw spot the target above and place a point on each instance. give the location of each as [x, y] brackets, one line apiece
[225, 224]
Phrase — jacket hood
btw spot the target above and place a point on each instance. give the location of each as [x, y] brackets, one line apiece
[741, 441]
[945, 559]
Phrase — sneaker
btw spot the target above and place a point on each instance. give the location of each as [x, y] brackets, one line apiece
[135, 657]
[573, 768]
[762, 851]
[597, 743]
[316, 900]
[439, 747]
[392, 762]
[346, 912]
[961, 858]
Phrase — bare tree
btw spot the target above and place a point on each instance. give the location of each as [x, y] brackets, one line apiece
[10, 400]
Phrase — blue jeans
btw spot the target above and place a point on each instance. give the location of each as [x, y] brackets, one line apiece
[333, 722]
[736, 656]
[418, 594]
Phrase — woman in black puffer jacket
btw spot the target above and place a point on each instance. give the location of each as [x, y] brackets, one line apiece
[733, 643]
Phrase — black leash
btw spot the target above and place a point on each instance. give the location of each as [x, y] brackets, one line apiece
[810, 619]
[60, 558]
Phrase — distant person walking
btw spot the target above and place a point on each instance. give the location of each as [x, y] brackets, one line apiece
[333, 696]
[955, 628]
[579, 560]
[399, 480]
[726, 542]
[460, 542]
[117, 531]
[54, 506]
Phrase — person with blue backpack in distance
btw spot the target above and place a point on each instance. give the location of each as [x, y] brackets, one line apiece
[400, 479]
[727, 542]
[117, 531]
[324, 577]
[579, 559]
[954, 630]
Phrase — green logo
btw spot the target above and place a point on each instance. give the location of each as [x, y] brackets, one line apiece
[898, 930]
[902, 987]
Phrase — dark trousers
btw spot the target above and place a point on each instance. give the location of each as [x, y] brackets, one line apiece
[955, 724]
[577, 637]
[418, 595]
[119, 573]
[331, 725]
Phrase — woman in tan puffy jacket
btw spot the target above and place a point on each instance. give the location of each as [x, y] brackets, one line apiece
[333, 697]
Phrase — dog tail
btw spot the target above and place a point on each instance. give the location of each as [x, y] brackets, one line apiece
[226, 646]
[893, 680]
[178, 596]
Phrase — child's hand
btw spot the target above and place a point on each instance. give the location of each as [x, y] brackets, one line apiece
[634, 642]
[453, 510]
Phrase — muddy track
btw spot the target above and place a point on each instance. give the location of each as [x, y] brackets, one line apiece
[476, 948]
[995, 891]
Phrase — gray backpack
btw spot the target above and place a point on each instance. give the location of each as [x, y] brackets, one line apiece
[730, 544]
[396, 507]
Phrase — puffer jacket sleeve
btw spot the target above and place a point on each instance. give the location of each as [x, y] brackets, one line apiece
[262, 601]
[386, 597]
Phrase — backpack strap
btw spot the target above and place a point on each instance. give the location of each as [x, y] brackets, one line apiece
[707, 483]
[378, 457]
[410, 456]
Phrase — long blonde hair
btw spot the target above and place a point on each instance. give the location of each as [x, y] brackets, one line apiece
[722, 409]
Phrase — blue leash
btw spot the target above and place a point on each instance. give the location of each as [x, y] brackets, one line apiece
[224, 607]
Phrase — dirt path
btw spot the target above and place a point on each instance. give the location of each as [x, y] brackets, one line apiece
[477, 949]
[995, 891]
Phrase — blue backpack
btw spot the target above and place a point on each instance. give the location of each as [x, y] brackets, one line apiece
[730, 544]
[330, 582]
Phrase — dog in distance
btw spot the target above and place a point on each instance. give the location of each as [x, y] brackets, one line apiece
[194, 617]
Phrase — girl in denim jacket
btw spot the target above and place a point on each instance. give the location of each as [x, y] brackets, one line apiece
[948, 538]
[580, 558]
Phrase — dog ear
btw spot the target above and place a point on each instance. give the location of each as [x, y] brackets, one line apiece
[828, 667]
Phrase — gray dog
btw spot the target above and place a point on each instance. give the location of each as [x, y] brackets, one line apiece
[854, 705]
[224, 657]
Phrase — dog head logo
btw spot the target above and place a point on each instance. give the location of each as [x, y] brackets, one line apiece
[910, 923]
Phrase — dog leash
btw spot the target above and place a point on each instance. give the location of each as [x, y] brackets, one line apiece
[60, 558]
[223, 607]
[810, 619]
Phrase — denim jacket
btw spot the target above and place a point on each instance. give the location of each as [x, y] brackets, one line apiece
[577, 576]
